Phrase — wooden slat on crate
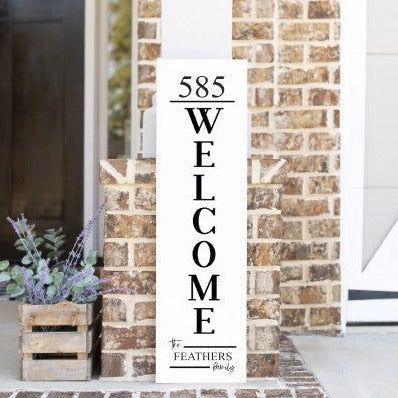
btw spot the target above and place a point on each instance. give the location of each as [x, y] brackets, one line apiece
[64, 313]
[56, 342]
[53, 369]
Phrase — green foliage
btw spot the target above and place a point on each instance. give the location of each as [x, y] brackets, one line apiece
[119, 83]
[55, 242]
[44, 276]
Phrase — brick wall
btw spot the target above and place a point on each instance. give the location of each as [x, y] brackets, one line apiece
[304, 123]
[293, 51]
[128, 343]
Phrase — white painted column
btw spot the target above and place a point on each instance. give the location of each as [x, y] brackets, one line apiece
[197, 29]
[191, 29]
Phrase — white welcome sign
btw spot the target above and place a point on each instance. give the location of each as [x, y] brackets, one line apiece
[201, 221]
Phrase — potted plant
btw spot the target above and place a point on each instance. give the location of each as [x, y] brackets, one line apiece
[59, 295]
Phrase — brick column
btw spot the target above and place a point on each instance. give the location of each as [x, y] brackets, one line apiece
[128, 344]
[293, 50]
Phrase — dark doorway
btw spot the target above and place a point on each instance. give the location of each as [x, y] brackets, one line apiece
[41, 115]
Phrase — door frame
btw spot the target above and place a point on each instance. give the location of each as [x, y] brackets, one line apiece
[95, 106]
[94, 139]
[353, 128]
[353, 79]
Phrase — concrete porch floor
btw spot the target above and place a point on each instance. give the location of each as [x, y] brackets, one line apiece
[296, 380]
[363, 364]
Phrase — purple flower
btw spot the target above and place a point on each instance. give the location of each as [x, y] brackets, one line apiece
[77, 249]
[28, 284]
[24, 232]
[49, 281]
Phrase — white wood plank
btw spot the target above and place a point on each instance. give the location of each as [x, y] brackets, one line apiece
[385, 310]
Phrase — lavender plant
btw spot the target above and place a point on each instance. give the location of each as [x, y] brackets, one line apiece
[45, 276]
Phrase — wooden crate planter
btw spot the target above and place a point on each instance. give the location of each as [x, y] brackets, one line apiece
[58, 342]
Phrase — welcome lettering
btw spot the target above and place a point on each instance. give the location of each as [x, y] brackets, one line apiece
[203, 121]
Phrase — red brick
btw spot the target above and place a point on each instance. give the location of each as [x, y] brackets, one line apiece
[306, 392]
[241, 52]
[263, 97]
[324, 141]
[126, 226]
[291, 53]
[303, 294]
[292, 317]
[324, 9]
[307, 164]
[112, 364]
[214, 393]
[144, 310]
[292, 230]
[145, 198]
[259, 119]
[290, 9]
[304, 31]
[144, 254]
[115, 254]
[146, 74]
[264, 53]
[116, 199]
[270, 226]
[267, 282]
[148, 51]
[263, 309]
[325, 316]
[130, 282]
[323, 97]
[303, 76]
[290, 97]
[152, 394]
[134, 337]
[336, 293]
[336, 118]
[246, 393]
[114, 310]
[278, 393]
[262, 365]
[263, 254]
[323, 185]
[144, 365]
[324, 272]
[149, 8]
[304, 208]
[263, 198]
[262, 141]
[329, 228]
[291, 273]
[145, 96]
[303, 251]
[252, 31]
[267, 338]
[183, 394]
[119, 165]
[241, 8]
[260, 75]
[264, 8]
[324, 54]
[146, 30]
[300, 119]
[293, 186]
